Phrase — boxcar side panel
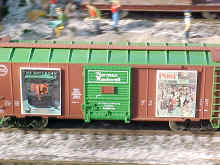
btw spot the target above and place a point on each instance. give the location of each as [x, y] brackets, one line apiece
[145, 89]
[184, 108]
[6, 97]
[139, 93]
[207, 102]
[16, 86]
[71, 89]
[64, 89]
[55, 91]
[52, 108]
[151, 100]
[201, 72]
[75, 78]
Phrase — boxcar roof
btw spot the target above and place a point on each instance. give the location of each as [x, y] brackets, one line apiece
[108, 55]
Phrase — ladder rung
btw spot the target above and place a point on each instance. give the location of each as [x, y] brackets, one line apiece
[216, 83]
[216, 111]
[215, 117]
[217, 90]
[216, 97]
[215, 104]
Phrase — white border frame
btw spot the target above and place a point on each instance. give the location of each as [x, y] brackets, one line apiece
[107, 82]
[30, 68]
[157, 74]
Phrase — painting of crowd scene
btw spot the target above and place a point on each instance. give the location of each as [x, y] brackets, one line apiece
[176, 93]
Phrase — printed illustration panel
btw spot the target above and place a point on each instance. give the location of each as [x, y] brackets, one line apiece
[176, 93]
[40, 91]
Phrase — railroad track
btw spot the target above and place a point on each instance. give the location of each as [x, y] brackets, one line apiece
[81, 143]
[46, 162]
[111, 132]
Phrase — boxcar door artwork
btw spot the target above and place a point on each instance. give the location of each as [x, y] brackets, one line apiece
[176, 93]
[40, 91]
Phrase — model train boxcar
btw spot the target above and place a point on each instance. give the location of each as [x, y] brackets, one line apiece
[109, 81]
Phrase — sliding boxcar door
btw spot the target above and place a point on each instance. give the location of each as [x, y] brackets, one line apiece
[107, 93]
[139, 93]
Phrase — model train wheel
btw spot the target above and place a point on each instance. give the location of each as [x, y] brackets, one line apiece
[9, 122]
[44, 123]
[177, 126]
[38, 123]
[206, 126]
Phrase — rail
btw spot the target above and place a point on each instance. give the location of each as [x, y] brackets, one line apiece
[47, 162]
[111, 132]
